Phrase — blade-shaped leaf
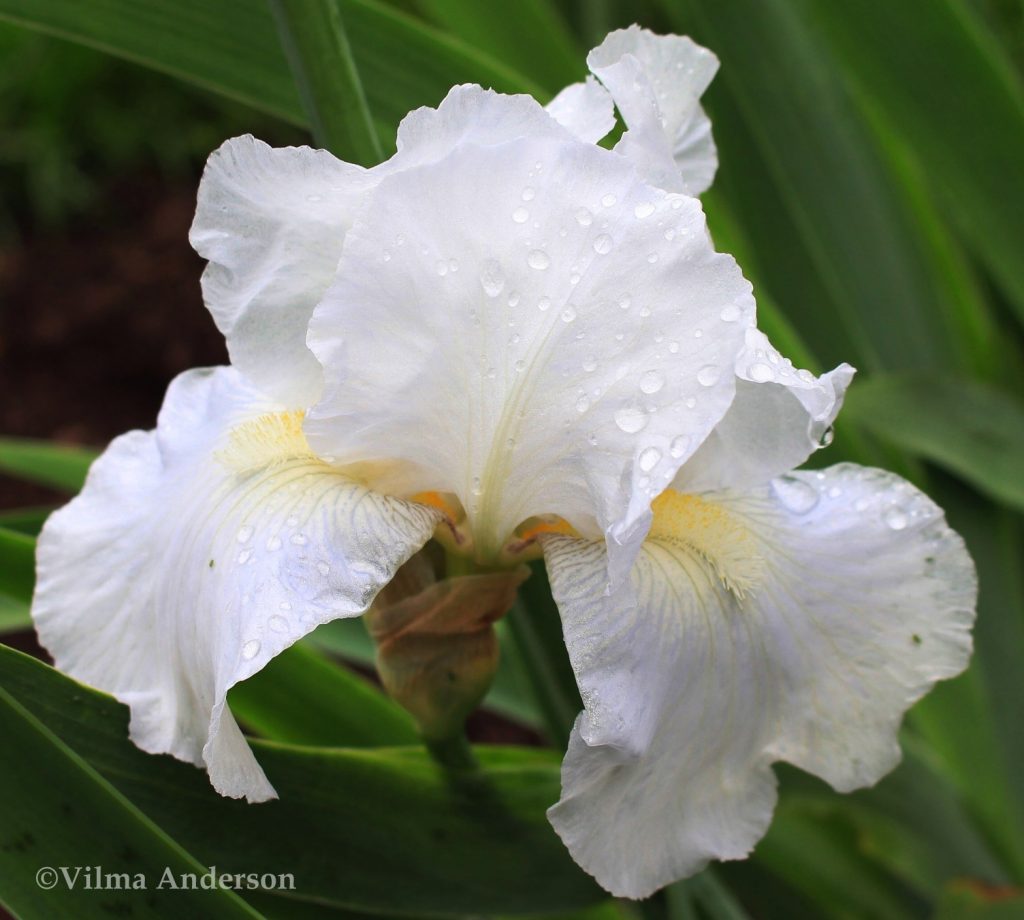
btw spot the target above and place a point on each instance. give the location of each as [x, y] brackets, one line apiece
[58, 812]
[969, 428]
[231, 47]
[381, 830]
[45, 463]
[942, 82]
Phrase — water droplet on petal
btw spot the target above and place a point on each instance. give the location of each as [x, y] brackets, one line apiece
[651, 382]
[644, 210]
[708, 375]
[584, 218]
[274, 544]
[244, 534]
[652, 258]
[730, 313]
[760, 372]
[520, 215]
[299, 539]
[251, 649]
[244, 556]
[323, 568]
[278, 623]
[519, 366]
[631, 420]
[826, 438]
[492, 278]
[895, 519]
[609, 201]
[590, 364]
[649, 459]
[603, 244]
[568, 314]
[678, 446]
[582, 404]
[538, 259]
[442, 267]
[528, 194]
[543, 304]
[796, 494]
[625, 302]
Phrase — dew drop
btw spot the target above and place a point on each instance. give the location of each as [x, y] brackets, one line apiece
[543, 304]
[603, 244]
[678, 446]
[274, 544]
[538, 259]
[798, 496]
[673, 348]
[492, 278]
[582, 404]
[519, 366]
[323, 568]
[574, 278]
[730, 313]
[651, 382]
[528, 194]
[644, 210]
[895, 519]
[278, 623]
[584, 218]
[631, 420]
[244, 556]
[707, 376]
[590, 364]
[609, 201]
[441, 267]
[645, 312]
[625, 302]
[690, 402]
[513, 300]
[299, 539]
[568, 314]
[244, 534]
[652, 258]
[453, 265]
[649, 459]
[251, 649]
[826, 438]
[760, 372]
[520, 215]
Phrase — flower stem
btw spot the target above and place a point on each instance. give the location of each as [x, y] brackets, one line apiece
[453, 753]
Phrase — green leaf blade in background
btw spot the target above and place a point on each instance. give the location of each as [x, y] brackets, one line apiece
[45, 463]
[944, 83]
[828, 184]
[58, 811]
[969, 428]
[381, 830]
[317, 47]
[231, 47]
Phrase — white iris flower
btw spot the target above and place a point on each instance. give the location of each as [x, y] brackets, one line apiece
[519, 341]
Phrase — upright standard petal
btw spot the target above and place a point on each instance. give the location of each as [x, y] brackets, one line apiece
[780, 416]
[529, 327]
[796, 622]
[271, 222]
[656, 82]
[585, 108]
[198, 552]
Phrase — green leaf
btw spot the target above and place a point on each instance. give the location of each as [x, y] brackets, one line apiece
[943, 83]
[25, 520]
[966, 427]
[535, 628]
[59, 812]
[302, 698]
[317, 47]
[528, 35]
[45, 463]
[231, 47]
[381, 830]
[17, 564]
[838, 243]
